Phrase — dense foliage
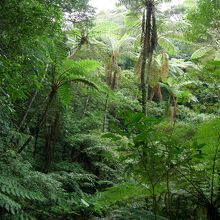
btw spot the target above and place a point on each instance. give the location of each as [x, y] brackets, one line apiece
[109, 115]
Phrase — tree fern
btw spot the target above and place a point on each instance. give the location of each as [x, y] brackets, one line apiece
[78, 68]
[9, 204]
[11, 187]
[65, 95]
[13, 194]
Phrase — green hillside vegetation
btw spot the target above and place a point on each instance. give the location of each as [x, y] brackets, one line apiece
[111, 115]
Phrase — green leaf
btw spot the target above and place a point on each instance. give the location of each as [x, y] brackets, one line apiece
[85, 82]
[79, 68]
[10, 205]
[119, 193]
[201, 52]
[111, 136]
[85, 203]
[214, 63]
[64, 94]
[167, 45]
[209, 134]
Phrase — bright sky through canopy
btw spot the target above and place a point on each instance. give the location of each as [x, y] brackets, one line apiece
[110, 4]
[103, 4]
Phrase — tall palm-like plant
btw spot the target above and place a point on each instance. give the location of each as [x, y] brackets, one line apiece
[149, 40]
[162, 68]
[159, 69]
[103, 38]
[113, 49]
[67, 73]
[62, 77]
[86, 35]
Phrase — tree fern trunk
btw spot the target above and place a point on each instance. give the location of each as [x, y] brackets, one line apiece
[105, 113]
[41, 120]
[154, 203]
[149, 41]
[143, 65]
[212, 212]
[50, 141]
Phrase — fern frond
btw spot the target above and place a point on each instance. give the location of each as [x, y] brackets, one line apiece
[9, 204]
[167, 45]
[201, 52]
[85, 82]
[12, 188]
[78, 68]
[64, 94]
[102, 28]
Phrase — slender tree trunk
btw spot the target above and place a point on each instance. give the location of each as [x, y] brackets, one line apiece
[168, 195]
[25, 144]
[105, 113]
[63, 152]
[149, 41]
[27, 111]
[26, 114]
[48, 149]
[30, 105]
[50, 141]
[175, 109]
[114, 80]
[168, 201]
[212, 212]
[143, 65]
[41, 120]
[154, 202]
[213, 171]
